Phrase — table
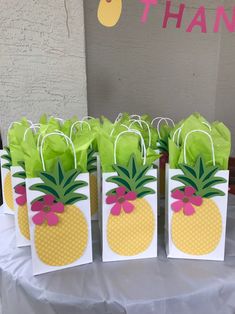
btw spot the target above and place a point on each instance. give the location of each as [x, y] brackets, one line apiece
[159, 286]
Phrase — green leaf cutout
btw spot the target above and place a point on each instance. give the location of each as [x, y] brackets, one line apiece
[202, 178]
[61, 184]
[134, 178]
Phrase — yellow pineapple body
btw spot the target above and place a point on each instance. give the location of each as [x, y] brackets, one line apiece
[131, 234]
[8, 193]
[200, 233]
[93, 194]
[23, 221]
[65, 242]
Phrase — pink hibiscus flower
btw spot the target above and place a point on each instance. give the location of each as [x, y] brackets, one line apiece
[121, 200]
[47, 210]
[21, 200]
[186, 200]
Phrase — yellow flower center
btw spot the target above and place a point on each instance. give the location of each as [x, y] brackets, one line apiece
[46, 209]
[121, 200]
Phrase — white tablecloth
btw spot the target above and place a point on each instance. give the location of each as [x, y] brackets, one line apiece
[158, 286]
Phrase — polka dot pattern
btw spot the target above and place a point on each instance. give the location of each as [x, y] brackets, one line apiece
[200, 233]
[131, 234]
[65, 242]
[93, 194]
[8, 192]
[23, 221]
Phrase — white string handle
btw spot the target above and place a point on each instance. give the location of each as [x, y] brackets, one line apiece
[59, 134]
[134, 116]
[212, 144]
[159, 122]
[34, 127]
[208, 125]
[171, 120]
[137, 121]
[142, 145]
[179, 130]
[88, 118]
[125, 126]
[149, 132]
[30, 122]
[12, 123]
[118, 118]
[40, 136]
[77, 122]
[58, 119]
[159, 118]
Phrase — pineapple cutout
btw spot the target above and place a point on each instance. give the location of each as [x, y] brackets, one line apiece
[21, 201]
[7, 184]
[92, 168]
[61, 229]
[197, 221]
[109, 12]
[131, 223]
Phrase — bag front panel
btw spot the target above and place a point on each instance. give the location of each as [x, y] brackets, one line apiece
[201, 235]
[69, 242]
[129, 235]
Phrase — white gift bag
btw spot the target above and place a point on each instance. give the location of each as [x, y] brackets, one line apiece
[129, 210]
[59, 216]
[196, 209]
[20, 198]
[7, 191]
[20, 205]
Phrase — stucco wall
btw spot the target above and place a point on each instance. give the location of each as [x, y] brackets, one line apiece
[144, 68]
[225, 95]
[42, 59]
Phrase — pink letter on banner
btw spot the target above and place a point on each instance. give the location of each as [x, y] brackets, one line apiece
[220, 13]
[201, 13]
[148, 4]
[178, 16]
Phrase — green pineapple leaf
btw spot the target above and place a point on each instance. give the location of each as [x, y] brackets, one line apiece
[211, 192]
[145, 191]
[7, 166]
[70, 177]
[7, 157]
[123, 170]
[21, 164]
[61, 184]
[46, 189]
[185, 180]
[162, 146]
[20, 174]
[48, 178]
[133, 177]
[202, 178]
[91, 160]
[200, 167]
